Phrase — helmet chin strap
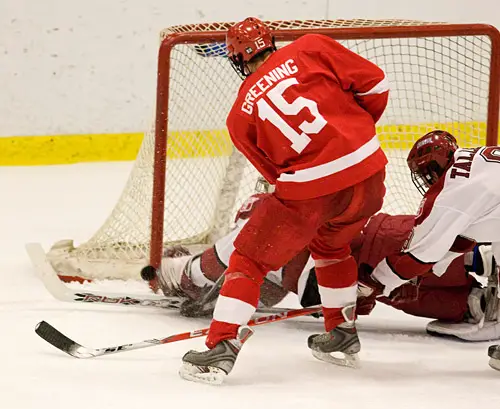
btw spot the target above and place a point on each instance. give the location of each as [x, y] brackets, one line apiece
[431, 178]
[246, 70]
[238, 67]
[242, 68]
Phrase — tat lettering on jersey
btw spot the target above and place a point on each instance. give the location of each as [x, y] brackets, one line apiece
[462, 165]
[287, 69]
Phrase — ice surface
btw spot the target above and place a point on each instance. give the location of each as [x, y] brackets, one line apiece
[401, 366]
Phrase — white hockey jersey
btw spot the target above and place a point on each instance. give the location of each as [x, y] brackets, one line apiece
[463, 207]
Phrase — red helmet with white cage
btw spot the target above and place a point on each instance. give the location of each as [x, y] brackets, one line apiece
[430, 157]
[247, 39]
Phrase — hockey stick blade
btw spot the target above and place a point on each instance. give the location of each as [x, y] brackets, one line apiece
[61, 341]
[57, 339]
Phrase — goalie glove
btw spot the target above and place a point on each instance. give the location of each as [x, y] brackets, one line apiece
[204, 304]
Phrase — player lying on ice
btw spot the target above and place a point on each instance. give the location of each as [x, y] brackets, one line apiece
[454, 298]
[305, 118]
[460, 207]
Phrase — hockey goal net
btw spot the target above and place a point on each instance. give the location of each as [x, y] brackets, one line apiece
[188, 180]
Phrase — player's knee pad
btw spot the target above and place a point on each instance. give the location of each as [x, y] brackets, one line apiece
[241, 266]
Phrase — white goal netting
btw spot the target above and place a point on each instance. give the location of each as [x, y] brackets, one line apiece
[436, 82]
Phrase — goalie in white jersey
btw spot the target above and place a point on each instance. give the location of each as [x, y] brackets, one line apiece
[461, 206]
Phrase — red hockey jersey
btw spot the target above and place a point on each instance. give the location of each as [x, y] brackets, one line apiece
[306, 118]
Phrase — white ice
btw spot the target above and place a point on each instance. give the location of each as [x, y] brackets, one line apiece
[402, 367]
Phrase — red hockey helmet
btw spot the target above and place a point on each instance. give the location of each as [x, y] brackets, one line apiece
[247, 39]
[430, 157]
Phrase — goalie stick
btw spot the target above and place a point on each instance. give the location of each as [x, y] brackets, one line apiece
[67, 345]
[63, 293]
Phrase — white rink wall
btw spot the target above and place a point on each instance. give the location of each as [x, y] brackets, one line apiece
[89, 66]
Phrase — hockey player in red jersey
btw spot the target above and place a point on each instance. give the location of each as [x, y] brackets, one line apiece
[305, 118]
[461, 206]
[455, 300]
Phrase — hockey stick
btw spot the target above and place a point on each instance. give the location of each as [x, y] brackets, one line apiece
[63, 293]
[65, 344]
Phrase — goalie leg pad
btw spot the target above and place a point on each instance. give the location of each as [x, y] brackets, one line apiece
[465, 331]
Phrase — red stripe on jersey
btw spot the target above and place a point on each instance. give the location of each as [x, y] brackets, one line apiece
[334, 182]
[428, 200]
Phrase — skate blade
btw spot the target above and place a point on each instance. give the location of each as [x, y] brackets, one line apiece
[495, 364]
[208, 375]
[348, 360]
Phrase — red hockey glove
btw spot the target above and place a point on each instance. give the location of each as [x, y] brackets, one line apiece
[365, 305]
[404, 294]
[368, 290]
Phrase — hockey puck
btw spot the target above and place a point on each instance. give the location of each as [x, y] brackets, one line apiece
[148, 273]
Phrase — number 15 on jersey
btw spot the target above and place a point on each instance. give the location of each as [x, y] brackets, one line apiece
[267, 112]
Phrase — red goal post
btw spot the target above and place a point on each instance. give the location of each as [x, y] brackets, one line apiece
[188, 180]
[344, 32]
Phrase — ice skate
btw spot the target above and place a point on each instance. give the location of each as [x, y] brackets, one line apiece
[494, 354]
[214, 365]
[343, 341]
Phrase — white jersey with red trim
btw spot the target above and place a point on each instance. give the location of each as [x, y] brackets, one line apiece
[466, 204]
[462, 207]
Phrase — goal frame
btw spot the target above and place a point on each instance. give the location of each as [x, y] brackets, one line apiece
[340, 33]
